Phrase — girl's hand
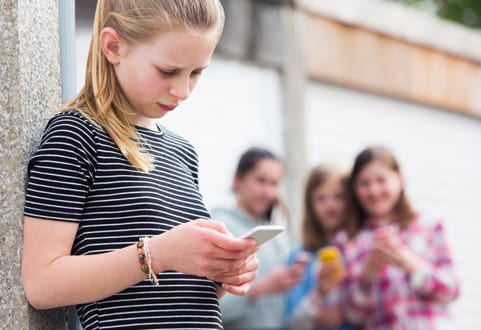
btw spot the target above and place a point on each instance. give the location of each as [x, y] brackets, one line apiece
[204, 248]
[392, 250]
[239, 282]
[278, 280]
[328, 277]
[329, 317]
[373, 265]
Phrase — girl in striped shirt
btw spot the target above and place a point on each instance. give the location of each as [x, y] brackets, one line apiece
[114, 220]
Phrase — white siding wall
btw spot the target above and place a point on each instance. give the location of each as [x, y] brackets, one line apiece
[440, 156]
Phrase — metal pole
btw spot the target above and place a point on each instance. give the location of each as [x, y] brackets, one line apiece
[68, 63]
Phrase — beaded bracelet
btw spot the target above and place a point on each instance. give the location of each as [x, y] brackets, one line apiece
[140, 252]
[145, 259]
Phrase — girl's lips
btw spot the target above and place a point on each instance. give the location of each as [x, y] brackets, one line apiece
[167, 107]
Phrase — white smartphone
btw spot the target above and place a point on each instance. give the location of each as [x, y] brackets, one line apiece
[263, 233]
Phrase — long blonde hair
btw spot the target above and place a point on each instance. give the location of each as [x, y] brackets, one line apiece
[314, 235]
[136, 21]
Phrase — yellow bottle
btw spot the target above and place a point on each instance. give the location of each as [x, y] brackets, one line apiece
[331, 254]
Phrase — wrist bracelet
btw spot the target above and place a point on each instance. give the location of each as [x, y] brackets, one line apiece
[141, 254]
[145, 259]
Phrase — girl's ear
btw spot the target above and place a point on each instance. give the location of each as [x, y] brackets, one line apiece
[110, 45]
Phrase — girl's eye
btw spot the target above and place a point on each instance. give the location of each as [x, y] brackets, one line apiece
[168, 73]
[196, 73]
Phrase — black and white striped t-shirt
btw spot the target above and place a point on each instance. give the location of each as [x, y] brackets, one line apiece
[78, 174]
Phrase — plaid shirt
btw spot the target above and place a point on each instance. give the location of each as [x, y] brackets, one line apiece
[396, 301]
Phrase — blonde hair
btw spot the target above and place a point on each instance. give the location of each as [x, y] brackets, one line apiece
[314, 236]
[136, 21]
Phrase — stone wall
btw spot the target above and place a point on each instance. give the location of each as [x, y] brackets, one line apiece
[29, 93]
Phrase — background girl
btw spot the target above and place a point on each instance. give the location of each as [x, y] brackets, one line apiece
[400, 271]
[114, 220]
[309, 304]
[256, 184]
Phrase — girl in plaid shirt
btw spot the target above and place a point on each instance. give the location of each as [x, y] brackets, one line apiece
[400, 271]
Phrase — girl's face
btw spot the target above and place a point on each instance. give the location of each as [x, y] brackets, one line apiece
[259, 189]
[157, 76]
[328, 203]
[378, 189]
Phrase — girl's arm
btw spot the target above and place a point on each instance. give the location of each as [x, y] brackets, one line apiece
[435, 279]
[363, 265]
[359, 301]
[53, 278]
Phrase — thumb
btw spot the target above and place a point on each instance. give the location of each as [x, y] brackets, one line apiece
[215, 225]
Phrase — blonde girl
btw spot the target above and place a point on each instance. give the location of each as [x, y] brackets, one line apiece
[114, 220]
[310, 304]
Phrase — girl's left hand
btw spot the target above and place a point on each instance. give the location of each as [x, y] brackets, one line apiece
[239, 283]
[329, 317]
[389, 247]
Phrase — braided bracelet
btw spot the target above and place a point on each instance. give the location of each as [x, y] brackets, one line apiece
[145, 259]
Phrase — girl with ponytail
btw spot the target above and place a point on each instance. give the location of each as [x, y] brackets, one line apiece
[114, 220]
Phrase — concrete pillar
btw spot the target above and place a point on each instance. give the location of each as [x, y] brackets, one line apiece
[29, 94]
[294, 82]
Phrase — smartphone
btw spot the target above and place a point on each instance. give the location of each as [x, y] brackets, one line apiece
[263, 233]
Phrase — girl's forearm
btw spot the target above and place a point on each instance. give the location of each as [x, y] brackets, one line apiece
[70, 280]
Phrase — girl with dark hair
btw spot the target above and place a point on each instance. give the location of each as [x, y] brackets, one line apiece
[256, 184]
[399, 267]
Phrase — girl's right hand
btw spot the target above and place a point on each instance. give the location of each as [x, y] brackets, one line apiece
[278, 280]
[329, 317]
[328, 277]
[201, 247]
[371, 269]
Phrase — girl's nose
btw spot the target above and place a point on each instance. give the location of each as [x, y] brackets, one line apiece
[180, 88]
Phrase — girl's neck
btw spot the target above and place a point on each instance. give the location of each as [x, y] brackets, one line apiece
[329, 234]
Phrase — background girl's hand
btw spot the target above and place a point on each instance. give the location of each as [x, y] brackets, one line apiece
[202, 247]
[278, 280]
[371, 268]
[393, 251]
[328, 277]
[329, 317]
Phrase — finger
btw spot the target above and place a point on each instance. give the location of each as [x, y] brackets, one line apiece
[237, 280]
[241, 247]
[249, 265]
[212, 224]
[239, 290]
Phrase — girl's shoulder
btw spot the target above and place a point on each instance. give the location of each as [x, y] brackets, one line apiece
[72, 122]
[72, 126]
[72, 116]
[178, 142]
[175, 137]
[426, 222]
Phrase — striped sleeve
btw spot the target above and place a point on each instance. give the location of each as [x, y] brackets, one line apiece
[61, 171]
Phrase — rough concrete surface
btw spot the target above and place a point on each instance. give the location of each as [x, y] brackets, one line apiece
[29, 93]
